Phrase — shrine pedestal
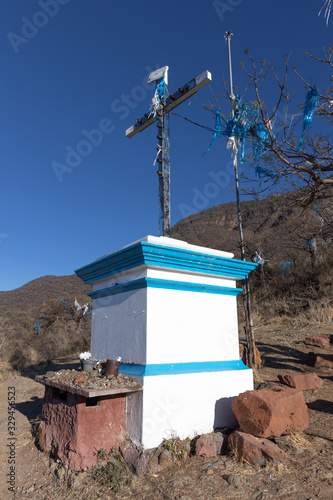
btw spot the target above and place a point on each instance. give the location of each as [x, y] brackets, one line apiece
[169, 310]
[77, 423]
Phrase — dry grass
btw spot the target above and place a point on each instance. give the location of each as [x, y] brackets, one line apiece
[283, 311]
[300, 440]
[319, 313]
[7, 371]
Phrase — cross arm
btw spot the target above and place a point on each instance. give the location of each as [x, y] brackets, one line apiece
[172, 101]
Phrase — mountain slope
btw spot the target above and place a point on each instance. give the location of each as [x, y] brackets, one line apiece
[36, 292]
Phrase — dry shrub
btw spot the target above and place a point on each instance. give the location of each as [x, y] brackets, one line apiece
[64, 331]
[7, 371]
[303, 295]
[318, 313]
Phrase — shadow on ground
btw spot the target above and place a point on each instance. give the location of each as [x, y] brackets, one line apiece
[283, 357]
[321, 405]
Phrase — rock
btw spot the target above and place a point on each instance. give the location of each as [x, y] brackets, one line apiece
[209, 445]
[317, 341]
[60, 473]
[286, 444]
[165, 459]
[129, 452]
[235, 480]
[301, 381]
[256, 451]
[271, 412]
[323, 360]
[141, 467]
[80, 380]
[134, 457]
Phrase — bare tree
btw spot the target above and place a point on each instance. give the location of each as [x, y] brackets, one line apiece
[287, 153]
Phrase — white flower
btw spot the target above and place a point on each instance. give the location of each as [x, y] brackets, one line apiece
[85, 355]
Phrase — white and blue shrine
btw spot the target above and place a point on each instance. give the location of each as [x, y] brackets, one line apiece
[169, 310]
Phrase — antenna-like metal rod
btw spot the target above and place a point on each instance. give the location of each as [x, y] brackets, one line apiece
[249, 330]
[232, 96]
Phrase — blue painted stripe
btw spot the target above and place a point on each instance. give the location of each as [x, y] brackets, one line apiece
[114, 290]
[181, 368]
[149, 254]
[166, 285]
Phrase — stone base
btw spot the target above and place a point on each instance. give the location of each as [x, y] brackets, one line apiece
[74, 428]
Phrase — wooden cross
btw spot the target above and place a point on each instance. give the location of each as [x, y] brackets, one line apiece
[167, 104]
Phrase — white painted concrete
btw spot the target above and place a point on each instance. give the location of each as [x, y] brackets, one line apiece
[187, 405]
[160, 326]
[172, 242]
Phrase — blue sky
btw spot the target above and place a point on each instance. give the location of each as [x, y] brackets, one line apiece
[70, 67]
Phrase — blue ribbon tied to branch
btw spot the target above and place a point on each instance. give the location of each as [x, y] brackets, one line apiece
[285, 266]
[311, 101]
[217, 130]
[37, 327]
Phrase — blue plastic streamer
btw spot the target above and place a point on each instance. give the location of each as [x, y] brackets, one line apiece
[264, 173]
[158, 95]
[285, 266]
[37, 327]
[317, 209]
[246, 123]
[159, 88]
[311, 101]
[260, 141]
[240, 124]
[308, 245]
[64, 303]
[217, 130]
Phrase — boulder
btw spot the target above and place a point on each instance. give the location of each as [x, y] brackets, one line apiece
[271, 412]
[165, 459]
[323, 360]
[317, 341]
[209, 445]
[255, 451]
[301, 381]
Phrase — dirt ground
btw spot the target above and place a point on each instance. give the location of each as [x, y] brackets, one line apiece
[308, 473]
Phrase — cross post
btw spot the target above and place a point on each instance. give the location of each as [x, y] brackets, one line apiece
[160, 113]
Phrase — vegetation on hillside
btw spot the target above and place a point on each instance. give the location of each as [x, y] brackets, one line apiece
[296, 246]
[39, 321]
